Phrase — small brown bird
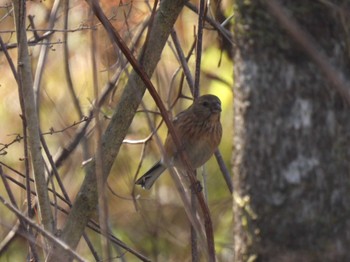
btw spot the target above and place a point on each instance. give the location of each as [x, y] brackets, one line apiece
[199, 130]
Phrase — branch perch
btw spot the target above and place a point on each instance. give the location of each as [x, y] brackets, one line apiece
[25, 84]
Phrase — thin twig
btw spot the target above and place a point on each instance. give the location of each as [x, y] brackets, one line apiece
[21, 221]
[48, 32]
[65, 196]
[224, 170]
[42, 56]
[101, 183]
[67, 70]
[45, 233]
[34, 42]
[9, 238]
[65, 152]
[183, 60]
[194, 242]
[220, 28]
[199, 44]
[196, 93]
[92, 224]
[9, 59]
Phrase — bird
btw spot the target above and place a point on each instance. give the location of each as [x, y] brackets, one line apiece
[199, 130]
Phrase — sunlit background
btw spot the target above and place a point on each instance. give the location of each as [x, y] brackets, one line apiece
[153, 222]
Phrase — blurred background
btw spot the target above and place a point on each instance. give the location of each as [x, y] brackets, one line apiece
[151, 222]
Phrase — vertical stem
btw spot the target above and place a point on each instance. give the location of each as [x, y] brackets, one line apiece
[25, 83]
[68, 74]
[43, 55]
[23, 225]
[195, 95]
[200, 196]
[101, 183]
[194, 242]
[25, 147]
[201, 15]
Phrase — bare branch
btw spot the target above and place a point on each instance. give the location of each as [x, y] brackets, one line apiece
[91, 224]
[9, 59]
[43, 54]
[21, 221]
[25, 81]
[220, 28]
[45, 233]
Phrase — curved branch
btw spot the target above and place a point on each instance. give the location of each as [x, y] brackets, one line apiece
[86, 201]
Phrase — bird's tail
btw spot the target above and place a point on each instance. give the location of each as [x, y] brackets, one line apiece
[148, 179]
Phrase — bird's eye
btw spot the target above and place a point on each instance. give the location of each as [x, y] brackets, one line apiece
[205, 103]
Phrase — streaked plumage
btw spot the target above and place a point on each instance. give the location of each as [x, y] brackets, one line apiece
[199, 130]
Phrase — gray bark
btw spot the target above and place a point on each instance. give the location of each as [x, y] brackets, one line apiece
[25, 84]
[291, 141]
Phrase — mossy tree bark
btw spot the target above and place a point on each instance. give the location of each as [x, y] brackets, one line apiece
[292, 138]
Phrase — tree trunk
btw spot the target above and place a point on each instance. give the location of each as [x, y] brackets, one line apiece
[292, 138]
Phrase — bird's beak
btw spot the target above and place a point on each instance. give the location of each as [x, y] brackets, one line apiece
[216, 108]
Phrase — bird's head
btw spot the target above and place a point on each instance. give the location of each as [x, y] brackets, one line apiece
[207, 106]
